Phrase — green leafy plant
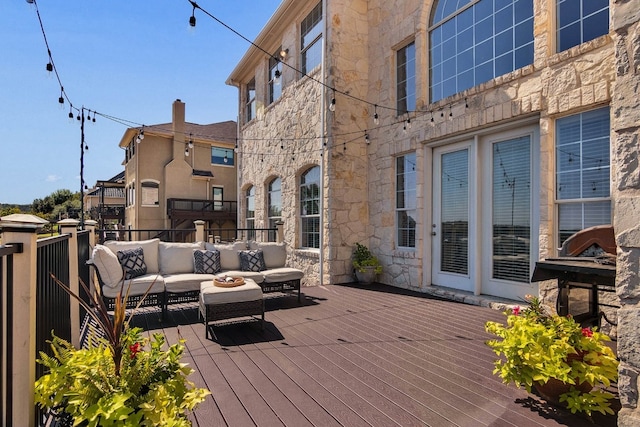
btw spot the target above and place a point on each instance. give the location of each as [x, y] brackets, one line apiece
[539, 347]
[123, 380]
[362, 257]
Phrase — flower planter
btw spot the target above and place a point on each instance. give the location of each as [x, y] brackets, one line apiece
[552, 389]
[367, 276]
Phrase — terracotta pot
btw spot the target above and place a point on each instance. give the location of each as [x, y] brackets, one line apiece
[552, 389]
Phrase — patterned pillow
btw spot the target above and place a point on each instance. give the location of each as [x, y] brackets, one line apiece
[132, 261]
[206, 262]
[252, 260]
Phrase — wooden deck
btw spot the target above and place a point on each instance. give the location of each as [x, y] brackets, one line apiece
[354, 356]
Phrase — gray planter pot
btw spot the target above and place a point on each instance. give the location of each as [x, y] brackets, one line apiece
[368, 276]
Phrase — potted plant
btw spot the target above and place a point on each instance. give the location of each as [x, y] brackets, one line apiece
[556, 355]
[125, 379]
[366, 265]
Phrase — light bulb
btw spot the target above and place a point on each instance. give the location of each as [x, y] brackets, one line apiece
[376, 120]
[276, 78]
[225, 159]
[332, 106]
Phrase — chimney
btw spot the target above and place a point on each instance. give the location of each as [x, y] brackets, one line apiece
[178, 129]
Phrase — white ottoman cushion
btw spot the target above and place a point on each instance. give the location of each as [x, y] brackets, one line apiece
[213, 295]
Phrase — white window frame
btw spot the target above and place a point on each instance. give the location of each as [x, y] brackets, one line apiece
[405, 190]
[302, 214]
[145, 193]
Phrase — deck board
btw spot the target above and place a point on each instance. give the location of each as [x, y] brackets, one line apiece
[353, 356]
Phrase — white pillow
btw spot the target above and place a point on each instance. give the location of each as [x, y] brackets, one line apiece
[149, 248]
[108, 266]
[275, 254]
[229, 258]
[177, 258]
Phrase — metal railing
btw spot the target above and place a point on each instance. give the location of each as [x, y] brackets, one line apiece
[188, 234]
[130, 234]
[234, 234]
[6, 328]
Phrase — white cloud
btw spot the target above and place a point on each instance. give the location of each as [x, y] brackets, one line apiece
[53, 178]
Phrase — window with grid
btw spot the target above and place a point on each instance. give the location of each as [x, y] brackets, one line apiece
[579, 21]
[310, 208]
[583, 171]
[250, 211]
[250, 101]
[406, 212]
[275, 76]
[406, 78]
[275, 205]
[311, 39]
[472, 42]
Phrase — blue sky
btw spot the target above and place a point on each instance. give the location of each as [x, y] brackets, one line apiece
[125, 58]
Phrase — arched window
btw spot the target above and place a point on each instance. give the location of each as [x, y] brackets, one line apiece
[150, 193]
[275, 204]
[250, 210]
[472, 42]
[310, 208]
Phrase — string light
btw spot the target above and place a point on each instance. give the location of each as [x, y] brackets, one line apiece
[186, 150]
[332, 105]
[276, 78]
[432, 121]
[376, 120]
[366, 138]
[192, 20]
[190, 141]
[450, 113]
[61, 99]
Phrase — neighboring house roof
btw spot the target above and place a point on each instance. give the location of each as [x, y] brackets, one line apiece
[223, 131]
[110, 192]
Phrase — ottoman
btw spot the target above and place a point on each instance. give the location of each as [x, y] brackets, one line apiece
[220, 303]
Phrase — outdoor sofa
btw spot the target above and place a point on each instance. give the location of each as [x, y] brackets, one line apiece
[173, 272]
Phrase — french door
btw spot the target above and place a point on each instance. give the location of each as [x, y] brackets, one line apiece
[453, 222]
[485, 225]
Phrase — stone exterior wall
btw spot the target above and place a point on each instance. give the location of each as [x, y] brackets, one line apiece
[625, 108]
[555, 85]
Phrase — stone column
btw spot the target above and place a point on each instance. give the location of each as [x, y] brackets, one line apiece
[70, 226]
[625, 141]
[200, 237]
[22, 229]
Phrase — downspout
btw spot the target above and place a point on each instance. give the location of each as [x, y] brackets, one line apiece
[239, 159]
[323, 132]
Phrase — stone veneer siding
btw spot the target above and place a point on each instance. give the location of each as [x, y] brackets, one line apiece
[625, 107]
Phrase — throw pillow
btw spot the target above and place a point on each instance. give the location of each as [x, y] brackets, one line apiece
[206, 262]
[252, 260]
[132, 261]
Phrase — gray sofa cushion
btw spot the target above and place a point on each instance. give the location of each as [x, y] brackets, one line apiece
[177, 258]
[137, 286]
[275, 275]
[275, 254]
[149, 247]
[185, 282]
[229, 259]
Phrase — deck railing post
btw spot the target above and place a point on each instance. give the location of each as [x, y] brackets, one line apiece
[200, 236]
[280, 231]
[70, 226]
[91, 225]
[22, 229]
